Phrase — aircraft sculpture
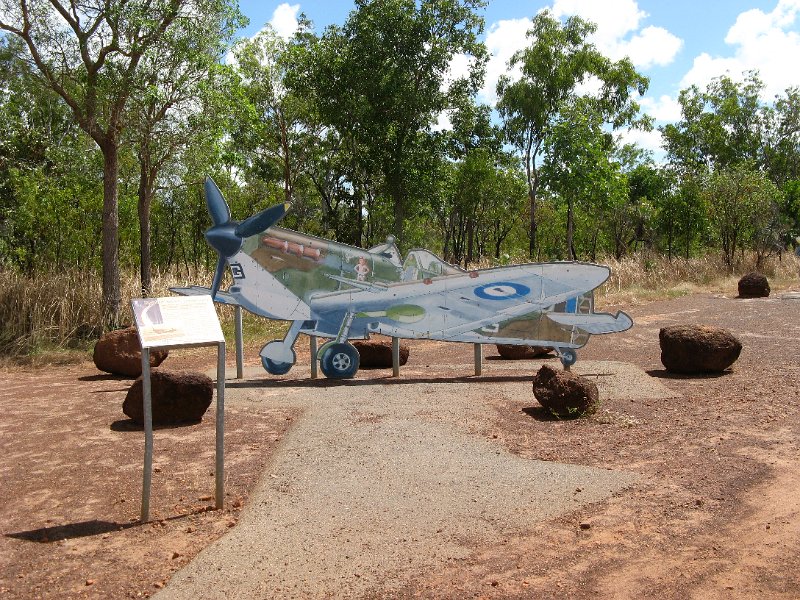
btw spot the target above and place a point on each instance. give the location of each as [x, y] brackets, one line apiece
[341, 292]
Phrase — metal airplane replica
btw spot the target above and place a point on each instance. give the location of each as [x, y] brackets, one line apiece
[341, 292]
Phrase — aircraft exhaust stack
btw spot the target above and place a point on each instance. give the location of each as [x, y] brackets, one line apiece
[225, 235]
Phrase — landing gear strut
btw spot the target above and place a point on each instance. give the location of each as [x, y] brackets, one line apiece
[339, 359]
[278, 356]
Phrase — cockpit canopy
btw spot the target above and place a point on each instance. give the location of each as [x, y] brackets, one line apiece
[421, 264]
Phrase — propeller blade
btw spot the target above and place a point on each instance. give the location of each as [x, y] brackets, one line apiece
[218, 274]
[217, 207]
[262, 221]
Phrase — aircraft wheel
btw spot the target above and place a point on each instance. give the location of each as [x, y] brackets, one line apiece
[277, 357]
[324, 348]
[569, 357]
[340, 361]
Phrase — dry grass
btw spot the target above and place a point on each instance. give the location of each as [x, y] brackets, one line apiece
[645, 278]
[61, 311]
[55, 317]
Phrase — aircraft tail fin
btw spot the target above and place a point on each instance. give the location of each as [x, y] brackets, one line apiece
[594, 323]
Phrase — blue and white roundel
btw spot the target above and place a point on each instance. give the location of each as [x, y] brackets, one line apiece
[502, 290]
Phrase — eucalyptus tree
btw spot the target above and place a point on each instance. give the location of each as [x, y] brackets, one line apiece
[274, 129]
[558, 60]
[742, 204]
[166, 111]
[482, 198]
[48, 174]
[579, 165]
[719, 128]
[90, 54]
[381, 80]
[782, 138]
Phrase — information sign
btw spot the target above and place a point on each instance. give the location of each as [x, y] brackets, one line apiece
[176, 321]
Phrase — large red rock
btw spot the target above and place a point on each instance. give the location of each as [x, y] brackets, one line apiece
[514, 352]
[698, 348]
[377, 354]
[118, 352]
[565, 394]
[176, 397]
[753, 285]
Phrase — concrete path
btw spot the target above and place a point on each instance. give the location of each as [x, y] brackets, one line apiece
[379, 482]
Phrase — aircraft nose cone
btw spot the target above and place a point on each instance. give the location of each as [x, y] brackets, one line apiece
[224, 240]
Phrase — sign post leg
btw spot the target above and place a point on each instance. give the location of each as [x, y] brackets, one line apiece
[220, 451]
[239, 344]
[147, 400]
[478, 359]
[395, 357]
[314, 365]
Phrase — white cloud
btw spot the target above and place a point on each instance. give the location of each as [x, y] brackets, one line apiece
[503, 39]
[648, 140]
[767, 42]
[663, 109]
[653, 46]
[616, 20]
[284, 20]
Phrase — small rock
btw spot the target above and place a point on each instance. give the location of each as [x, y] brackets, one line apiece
[698, 348]
[90, 582]
[377, 354]
[175, 397]
[753, 285]
[119, 353]
[158, 585]
[586, 525]
[565, 394]
[204, 498]
[176, 555]
[514, 352]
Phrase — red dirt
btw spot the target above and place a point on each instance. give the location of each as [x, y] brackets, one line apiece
[715, 515]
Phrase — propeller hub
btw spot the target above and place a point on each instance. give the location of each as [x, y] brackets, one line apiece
[223, 239]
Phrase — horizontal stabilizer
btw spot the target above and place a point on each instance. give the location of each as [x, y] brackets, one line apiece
[593, 323]
[198, 290]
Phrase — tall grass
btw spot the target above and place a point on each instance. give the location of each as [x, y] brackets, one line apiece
[647, 276]
[62, 310]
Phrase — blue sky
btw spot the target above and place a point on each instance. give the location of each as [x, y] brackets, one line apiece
[674, 42]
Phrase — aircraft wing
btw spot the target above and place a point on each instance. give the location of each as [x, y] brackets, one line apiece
[453, 304]
[198, 290]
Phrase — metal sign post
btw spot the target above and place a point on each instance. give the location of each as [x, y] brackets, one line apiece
[170, 323]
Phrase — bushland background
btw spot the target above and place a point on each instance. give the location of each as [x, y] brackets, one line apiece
[112, 114]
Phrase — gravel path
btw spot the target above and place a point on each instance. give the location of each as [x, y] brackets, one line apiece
[377, 483]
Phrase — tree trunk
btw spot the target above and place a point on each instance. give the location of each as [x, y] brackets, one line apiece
[146, 184]
[570, 230]
[111, 282]
[533, 224]
[399, 202]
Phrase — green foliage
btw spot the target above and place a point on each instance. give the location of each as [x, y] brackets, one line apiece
[743, 209]
[384, 87]
[557, 61]
[346, 125]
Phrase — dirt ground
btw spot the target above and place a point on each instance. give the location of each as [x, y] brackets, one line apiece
[715, 514]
